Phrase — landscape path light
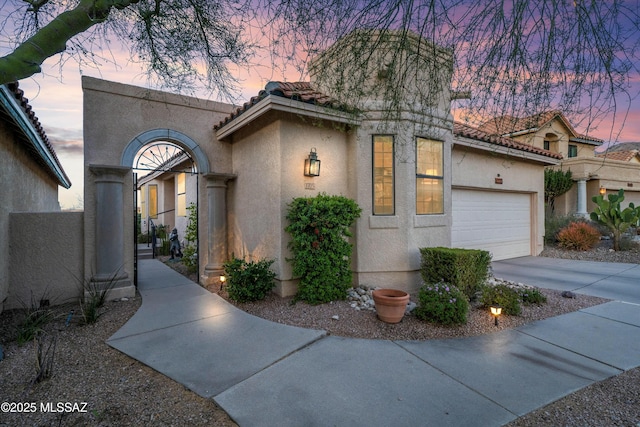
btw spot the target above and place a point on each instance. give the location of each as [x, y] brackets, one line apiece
[496, 311]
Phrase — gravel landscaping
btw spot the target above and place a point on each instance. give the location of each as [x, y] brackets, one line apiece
[118, 390]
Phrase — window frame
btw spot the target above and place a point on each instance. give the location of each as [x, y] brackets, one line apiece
[373, 175]
[420, 176]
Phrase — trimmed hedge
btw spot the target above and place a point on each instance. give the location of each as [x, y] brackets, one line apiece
[466, 269]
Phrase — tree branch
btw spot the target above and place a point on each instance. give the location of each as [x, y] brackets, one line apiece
[52, 39]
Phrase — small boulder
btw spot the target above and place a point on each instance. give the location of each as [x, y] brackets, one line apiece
[568, 294]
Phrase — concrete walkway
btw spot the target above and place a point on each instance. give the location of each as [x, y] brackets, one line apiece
[266, 374]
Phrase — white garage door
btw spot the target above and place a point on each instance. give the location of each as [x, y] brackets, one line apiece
[497, 222]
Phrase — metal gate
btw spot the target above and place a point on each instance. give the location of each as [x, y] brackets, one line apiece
[159, 158]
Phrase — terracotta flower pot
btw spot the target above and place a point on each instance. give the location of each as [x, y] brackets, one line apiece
[390, 304]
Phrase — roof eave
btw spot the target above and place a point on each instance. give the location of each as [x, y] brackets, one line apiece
[279, 103]
[500, 149]
[9, 103]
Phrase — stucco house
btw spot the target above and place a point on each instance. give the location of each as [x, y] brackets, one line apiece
[421, 179]
[387, 141]
[31, 174]
[594, 173]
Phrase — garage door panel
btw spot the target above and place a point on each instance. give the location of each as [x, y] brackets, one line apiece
[493, 221]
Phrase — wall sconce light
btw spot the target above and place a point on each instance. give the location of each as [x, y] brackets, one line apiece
[603, 191]
[312, 164]
[496, 311]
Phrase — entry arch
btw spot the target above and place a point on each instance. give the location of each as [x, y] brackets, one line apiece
[169, 135]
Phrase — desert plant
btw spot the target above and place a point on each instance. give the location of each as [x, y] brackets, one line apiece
[36, 316]
[504, 296]
[553, 224]
[578, 236]
[442, 303]
[531, 296]
[319, 228]
[94, 295]
[609, 212]
[45, 347]
[249, 281]
[556, 183]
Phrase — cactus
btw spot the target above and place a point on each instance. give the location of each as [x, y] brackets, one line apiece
[609, 213]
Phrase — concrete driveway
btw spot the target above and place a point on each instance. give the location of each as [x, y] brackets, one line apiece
[616, 281]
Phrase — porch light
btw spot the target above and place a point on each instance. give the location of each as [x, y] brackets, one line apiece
[312, 164]
[496, 311]
[603, 191]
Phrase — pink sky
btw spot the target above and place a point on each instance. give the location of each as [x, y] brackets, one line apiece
[56, 97]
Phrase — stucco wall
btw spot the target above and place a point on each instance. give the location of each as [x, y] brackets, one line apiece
[268, 159]
[476, 169]
[114, 115]
[388, 245]
[45, 257]
[25, 188]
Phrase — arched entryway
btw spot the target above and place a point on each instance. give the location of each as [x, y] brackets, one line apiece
[119, 121]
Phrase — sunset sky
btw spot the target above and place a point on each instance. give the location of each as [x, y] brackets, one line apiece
[56, 98]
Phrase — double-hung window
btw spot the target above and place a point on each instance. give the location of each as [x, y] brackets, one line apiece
[573, 150]
[383, 175]
[429, 176]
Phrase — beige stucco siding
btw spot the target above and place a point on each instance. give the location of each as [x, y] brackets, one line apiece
[26, 188]
[268, 159]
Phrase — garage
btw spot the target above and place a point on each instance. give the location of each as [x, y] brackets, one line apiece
[499, 222]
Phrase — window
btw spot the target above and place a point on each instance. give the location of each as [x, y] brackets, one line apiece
[182, 194]
[429, 177]
[383, 175]
[573, 150]
[143, 203]
[547, 145]
[153, 201]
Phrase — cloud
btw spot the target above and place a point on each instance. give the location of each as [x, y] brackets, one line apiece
[65, 139]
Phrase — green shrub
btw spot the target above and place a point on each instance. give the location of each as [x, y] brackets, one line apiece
[466, 269]
[319, 228]
[442, 303]
[531, 296]
[504, 296]
[190, 249]
[578, 236]
[249, 281]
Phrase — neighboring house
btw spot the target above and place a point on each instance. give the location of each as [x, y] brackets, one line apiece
[165, 193]
[594, 173]
[31, 175]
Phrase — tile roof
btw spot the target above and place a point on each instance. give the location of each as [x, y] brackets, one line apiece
[461, 129]
[297, 91]
[26, 108]
[624, 156]
[505, 125]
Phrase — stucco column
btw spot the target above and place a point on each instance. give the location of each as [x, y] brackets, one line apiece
[109, 225]
[582, 198]
[216, 224]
